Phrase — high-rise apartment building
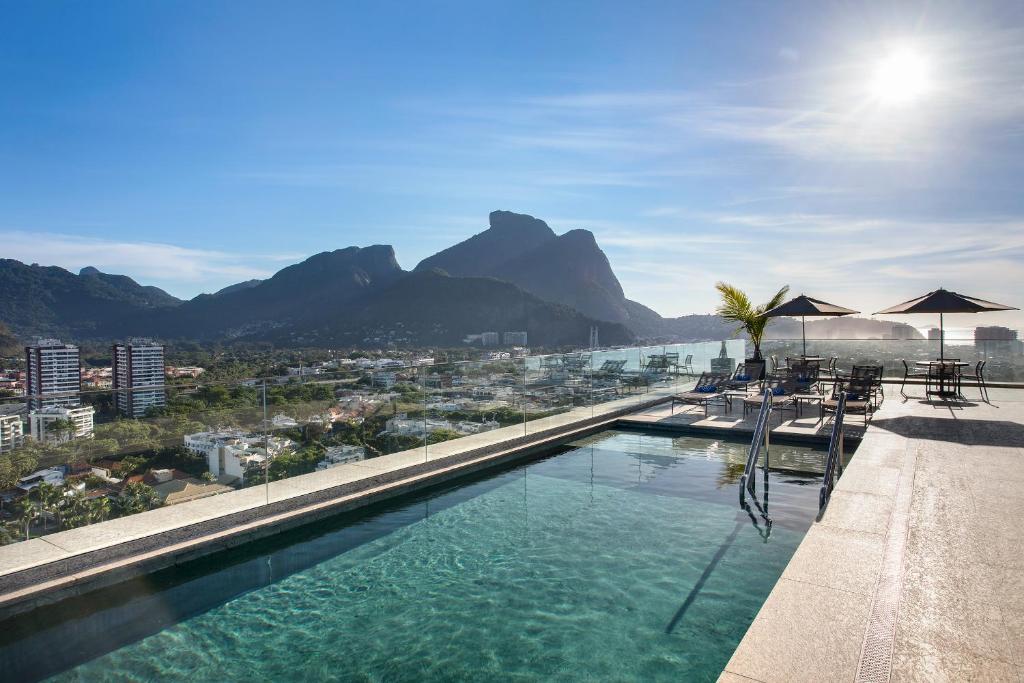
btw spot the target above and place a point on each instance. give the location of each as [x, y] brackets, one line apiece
[52, 374]
[515, 339]
[138, 376]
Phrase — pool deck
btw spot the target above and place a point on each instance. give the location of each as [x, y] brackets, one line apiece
[915, 571]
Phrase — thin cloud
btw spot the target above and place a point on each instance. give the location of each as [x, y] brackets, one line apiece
[184, 270]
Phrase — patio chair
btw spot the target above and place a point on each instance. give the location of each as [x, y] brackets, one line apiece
[979, 378]
[874, 374]
[943, 379]
[858, 397]
[782, 396]
[709, 389]
[747, 374]
[910, 374]
[775, 365]
[804, 375]
[687, 365]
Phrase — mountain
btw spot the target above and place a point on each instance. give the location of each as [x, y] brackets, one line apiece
[515, 275]
[9, 344]
[850, 327]
[430, 307]
[510, 235]
[568, 269]
[237, 287]
[48, 300]
[317, 288]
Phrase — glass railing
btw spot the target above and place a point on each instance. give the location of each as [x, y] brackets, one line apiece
[86, 461]
[1004, 360]
[69, 466]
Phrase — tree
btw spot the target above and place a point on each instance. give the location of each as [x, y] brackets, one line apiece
[736, 307]
[439, 435]
[50, 501]
[62, 429]
[28, 512]
[136, 497]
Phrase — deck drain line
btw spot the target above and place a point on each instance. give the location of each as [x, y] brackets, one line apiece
[875, 664]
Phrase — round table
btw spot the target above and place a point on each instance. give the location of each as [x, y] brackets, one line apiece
[949, 383]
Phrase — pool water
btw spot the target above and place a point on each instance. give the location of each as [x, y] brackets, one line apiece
[625, 556]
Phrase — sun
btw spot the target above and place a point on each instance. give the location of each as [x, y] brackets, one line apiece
[901, 77]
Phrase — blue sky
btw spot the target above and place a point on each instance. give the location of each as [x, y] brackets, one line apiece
[192, 145]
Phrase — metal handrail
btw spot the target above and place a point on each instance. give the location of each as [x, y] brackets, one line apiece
[761, 431]
[834, 461]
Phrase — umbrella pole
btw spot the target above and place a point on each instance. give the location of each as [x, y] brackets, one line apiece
[803, 333]
[942, 339]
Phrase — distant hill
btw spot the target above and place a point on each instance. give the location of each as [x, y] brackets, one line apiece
[849, 327]
[433, 308]
[515, 275]
[9, 344]
[297, 296]
[237, 287]
[48, 300]
[568, 269]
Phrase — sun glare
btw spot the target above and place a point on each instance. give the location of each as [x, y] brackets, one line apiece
[901, 77]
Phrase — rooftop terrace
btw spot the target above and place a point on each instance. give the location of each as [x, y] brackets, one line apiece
[913, 571]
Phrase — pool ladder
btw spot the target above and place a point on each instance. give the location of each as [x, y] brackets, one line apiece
[749, 478]
[834, 461]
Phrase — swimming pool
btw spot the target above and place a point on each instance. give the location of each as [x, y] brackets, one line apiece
[622, 556]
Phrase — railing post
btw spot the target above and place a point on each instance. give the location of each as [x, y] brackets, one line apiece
[842, 444]
[767, 431]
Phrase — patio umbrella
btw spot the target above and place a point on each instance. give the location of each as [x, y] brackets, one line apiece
[942, 301]
[804, 306]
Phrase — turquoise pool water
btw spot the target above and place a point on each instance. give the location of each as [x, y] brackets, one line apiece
[623, 557]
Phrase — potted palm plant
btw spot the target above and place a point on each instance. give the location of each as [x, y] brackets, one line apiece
[737, 307]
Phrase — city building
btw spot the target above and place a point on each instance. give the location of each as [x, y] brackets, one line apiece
[42, 427]
[231, 453]
[11, 432]
[483, 339]
[52, 374]
[54, 476]
[515, 339]
[997, 340]
[934, 334]
[138, 377]
[184, 371]
[339, 455]
[384, 380]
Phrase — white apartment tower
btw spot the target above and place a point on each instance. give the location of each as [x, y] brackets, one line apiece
[52, 374]
[138, 376]
[11, 433]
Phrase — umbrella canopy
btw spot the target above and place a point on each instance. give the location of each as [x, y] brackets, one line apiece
[803, 306]
[943, 301]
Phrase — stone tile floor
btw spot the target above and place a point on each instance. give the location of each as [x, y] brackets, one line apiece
[915, 571]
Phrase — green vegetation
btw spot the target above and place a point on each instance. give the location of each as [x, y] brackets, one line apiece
[737, 307]
[56, 508]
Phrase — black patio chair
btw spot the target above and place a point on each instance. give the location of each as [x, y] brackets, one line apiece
[709, 389]
[782, 396]
[874, 374]
[858, 397]
[805, 375]
[747, 375]
[910, 374]
[979, 378]
[687, 365]
[943, 379]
